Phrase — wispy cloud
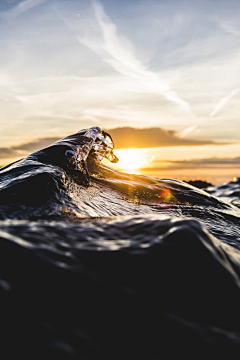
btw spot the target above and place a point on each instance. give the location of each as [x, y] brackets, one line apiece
[142, 64]
[224, 101]
[22, 7]
[229, 28]
[118, 52]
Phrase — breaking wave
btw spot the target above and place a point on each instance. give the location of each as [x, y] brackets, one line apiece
[99, 264]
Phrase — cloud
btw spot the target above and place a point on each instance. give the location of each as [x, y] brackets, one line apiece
[187, 131]
[224, 101]
[118, 52]
[229, 28]
[124, 137]
[216, 163]
[129, 137]
[21, 8]
[214, 112]
[24, 149]
[141, 53]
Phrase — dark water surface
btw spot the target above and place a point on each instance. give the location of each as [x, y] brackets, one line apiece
[98, 264]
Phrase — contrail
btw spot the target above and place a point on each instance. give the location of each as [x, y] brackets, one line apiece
[217, 108]
[119, 54]
[187, 131]
[224, 101]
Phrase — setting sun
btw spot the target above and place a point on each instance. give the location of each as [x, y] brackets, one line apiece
[131, 159]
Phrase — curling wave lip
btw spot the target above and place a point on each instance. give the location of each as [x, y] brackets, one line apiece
[97, 141]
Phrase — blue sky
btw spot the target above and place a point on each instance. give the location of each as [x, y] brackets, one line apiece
[67, 65]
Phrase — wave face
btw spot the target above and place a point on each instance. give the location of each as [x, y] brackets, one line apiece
[99, 264]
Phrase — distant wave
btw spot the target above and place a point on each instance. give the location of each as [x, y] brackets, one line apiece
[99, 264]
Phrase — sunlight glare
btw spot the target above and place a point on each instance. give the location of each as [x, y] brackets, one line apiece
[131, 159]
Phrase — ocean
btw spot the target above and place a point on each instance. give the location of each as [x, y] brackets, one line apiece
[100, 264]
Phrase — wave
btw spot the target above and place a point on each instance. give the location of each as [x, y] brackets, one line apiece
[101, 264]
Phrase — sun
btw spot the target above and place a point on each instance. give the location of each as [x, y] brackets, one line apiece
[131, 159]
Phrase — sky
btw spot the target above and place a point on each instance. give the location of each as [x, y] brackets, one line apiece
[167, 64]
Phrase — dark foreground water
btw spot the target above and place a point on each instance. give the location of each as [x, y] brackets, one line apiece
[115, 266]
